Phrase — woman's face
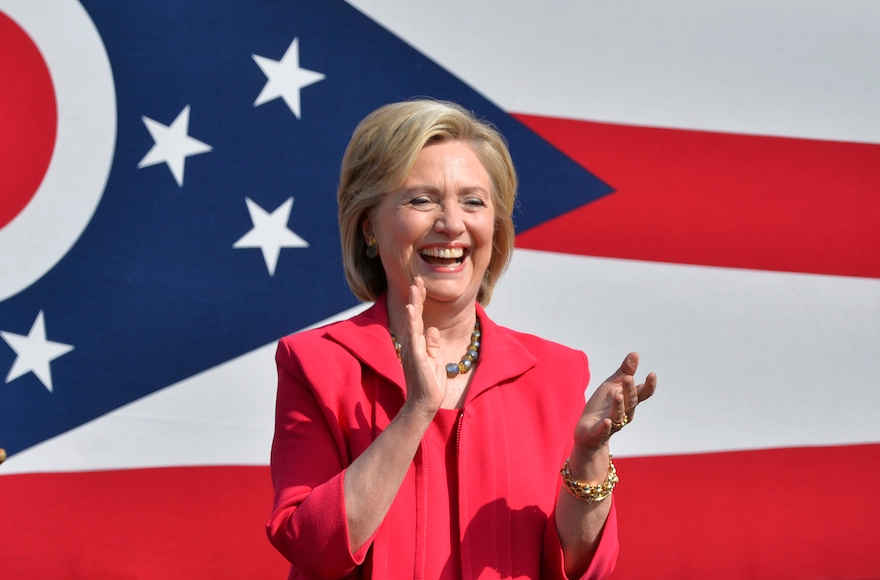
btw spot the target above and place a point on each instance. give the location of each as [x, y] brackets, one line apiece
[438, 225]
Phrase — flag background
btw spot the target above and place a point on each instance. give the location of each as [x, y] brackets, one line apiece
[710, 199]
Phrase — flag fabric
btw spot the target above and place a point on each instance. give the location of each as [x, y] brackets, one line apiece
[698, 182]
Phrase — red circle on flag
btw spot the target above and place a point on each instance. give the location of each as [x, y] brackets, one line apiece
[28, 119]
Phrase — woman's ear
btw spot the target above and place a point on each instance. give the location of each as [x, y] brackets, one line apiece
[367, 228]
[369, 238]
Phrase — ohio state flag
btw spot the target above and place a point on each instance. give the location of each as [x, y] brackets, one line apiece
[700, 183]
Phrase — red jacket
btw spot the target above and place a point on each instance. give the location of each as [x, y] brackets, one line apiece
[340, 386]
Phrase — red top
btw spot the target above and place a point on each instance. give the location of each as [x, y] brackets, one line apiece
[442, 552]
[442, 454]
[341, 385]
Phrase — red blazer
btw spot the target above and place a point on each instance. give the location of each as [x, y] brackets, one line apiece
[339, 386]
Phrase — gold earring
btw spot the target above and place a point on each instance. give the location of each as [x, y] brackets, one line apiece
[372, 248]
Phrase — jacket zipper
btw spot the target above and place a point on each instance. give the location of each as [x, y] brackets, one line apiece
[424, 445]
[458, 487]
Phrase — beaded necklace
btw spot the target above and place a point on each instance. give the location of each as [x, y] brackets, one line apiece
[467, 361]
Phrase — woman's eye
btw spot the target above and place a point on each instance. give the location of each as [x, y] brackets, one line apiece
[419, 201]
[474, 202]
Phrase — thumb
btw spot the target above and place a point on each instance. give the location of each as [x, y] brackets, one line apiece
[629, 366]
[432, 342]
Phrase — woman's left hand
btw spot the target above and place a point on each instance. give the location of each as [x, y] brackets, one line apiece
[610, 407]
[613, 404]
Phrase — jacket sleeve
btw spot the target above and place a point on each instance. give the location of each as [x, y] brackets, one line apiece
[604, 559]
[308, 523]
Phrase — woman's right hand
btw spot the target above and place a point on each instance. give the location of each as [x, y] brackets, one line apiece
[423, 368]
[373, 479]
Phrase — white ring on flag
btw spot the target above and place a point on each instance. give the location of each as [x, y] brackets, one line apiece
[45, 230]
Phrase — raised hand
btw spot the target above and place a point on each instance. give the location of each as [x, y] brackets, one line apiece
[373, 479]
[423, 368]
[613, 404]
[610, 407]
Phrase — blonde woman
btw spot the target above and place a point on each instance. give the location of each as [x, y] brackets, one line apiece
[419, 439]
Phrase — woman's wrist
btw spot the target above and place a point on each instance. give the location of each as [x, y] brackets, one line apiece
[589, 464]
[419, 411]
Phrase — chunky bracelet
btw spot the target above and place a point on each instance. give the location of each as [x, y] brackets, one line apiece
[590, 493]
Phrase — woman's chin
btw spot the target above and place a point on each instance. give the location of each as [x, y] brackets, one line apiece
[447, 291]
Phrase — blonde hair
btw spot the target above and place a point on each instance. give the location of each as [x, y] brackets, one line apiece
[378, 158]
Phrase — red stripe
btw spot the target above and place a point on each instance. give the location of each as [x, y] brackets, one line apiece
[785, 513]
[714, 199]
[162, 524]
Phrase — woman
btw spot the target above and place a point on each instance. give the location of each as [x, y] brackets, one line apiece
[440, 460]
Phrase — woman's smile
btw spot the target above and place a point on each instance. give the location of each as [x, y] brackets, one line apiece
[449, 257]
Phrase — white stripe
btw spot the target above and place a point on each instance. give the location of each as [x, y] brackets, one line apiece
[222, 416]
[799, 69]
[745, 359]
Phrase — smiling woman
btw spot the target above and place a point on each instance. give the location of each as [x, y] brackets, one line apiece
[420, 439]
[379, 161]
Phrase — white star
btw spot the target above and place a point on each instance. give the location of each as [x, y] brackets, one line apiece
[172, 144]
[34, 352]
[286, 78]
[270, 232]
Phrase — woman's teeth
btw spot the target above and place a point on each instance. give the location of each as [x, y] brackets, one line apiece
[443, 256]
[446, 253]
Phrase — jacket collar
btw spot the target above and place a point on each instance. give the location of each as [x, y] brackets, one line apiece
[502, 356]
[366, 336]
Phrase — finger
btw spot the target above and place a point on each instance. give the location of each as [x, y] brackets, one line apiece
[417, 293]
[630, 393]
[630, 364]
[605, 429]
[599, 432]
[628, 367]
[647, 388]
[619, 403]
[416, 307]
[423, 293]
[644, 391]
[413, 343]
[619, 416]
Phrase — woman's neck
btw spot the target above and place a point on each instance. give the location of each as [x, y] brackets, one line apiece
[454, 321]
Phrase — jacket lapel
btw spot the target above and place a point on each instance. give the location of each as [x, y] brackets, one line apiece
[502, 357]
[366, 336]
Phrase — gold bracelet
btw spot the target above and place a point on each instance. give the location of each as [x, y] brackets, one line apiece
[590, 493]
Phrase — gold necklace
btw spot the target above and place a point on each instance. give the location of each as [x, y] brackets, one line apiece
[466, 363]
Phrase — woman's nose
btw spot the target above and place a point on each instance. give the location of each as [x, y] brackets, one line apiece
[450, 221]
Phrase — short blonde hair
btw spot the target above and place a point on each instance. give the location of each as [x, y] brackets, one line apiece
[378, 158]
